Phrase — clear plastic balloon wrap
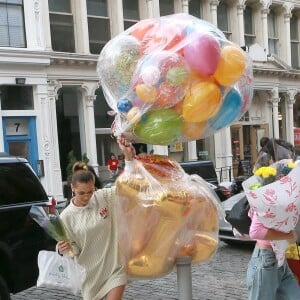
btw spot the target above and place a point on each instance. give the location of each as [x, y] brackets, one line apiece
[164, 213]
[174, 78]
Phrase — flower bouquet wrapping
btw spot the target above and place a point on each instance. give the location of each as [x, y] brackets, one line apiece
[174, 78]
[48, 218]
[274, 196]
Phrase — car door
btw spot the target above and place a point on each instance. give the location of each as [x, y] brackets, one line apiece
[21, 237]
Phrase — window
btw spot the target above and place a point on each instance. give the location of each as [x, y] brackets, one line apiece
[61, 26]
[131, 12]
[12, 29]
[16, 97]
[101, 109]
[195, 8]
[272, 33]
[249, 27]
[98, 22]
[223, 19]
[166, 7]
[295, 42]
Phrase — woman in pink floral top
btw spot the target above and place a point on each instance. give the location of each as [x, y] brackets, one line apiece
[265, 279]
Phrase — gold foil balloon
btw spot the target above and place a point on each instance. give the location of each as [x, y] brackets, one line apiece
[164, 213]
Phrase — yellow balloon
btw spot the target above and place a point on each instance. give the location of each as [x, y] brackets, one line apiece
[202, 102]
[134, 115]
[232, 65]
[146, 93]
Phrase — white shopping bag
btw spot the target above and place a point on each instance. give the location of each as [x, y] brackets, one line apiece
[59, 272]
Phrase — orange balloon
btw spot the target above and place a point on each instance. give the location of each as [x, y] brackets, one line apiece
[232, 65]
[192, 130]
[146, 93]
[202, 102]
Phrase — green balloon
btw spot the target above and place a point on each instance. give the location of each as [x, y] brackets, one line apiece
[159, 127]
[176, 76]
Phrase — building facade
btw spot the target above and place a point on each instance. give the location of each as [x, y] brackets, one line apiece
[52, 105]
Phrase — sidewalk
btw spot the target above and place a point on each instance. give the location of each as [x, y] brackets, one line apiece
[221, 278]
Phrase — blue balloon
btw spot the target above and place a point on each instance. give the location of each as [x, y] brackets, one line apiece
[229, 111]
[124, 105]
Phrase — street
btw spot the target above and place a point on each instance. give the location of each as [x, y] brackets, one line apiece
[220, 278]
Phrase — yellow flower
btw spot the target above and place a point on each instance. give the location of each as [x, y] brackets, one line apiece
[266, 172]
[291, 165]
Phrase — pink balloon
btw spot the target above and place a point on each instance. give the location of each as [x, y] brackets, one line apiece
[202, 53]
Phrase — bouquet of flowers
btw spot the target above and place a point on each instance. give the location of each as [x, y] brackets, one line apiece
[274, 196]
[48, 218]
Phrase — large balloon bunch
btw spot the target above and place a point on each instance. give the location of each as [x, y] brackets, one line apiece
[174, 78]
[163, 214]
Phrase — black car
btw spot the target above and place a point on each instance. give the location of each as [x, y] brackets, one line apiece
[206, 170]
[21, 238]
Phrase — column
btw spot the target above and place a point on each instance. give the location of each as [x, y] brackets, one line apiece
[156, 10]
[150, 9]
[287, 32]
[116, 16]
[90, 132]
[264, 18]
[185, 6]
[191, 150]
[213, 10]
[45, 27]
[275, 100]
[50, 145]
[290, 99]
[240, 14]
[223, 150]
[81, 29]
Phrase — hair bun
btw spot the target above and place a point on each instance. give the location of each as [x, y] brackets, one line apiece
[79, 166]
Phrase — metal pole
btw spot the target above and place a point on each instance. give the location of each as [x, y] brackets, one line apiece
[184, 277]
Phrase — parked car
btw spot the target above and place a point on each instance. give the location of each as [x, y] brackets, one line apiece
[206, 170]
[21, 238]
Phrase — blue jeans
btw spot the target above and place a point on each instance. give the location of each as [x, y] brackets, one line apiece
[267, 281]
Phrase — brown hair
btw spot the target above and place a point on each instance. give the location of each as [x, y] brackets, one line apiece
[81, 173]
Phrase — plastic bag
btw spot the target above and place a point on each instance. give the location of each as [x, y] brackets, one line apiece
[174, 78]
[238, 216]
[59, 272]
[163, 214]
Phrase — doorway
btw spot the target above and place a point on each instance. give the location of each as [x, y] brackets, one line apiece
[20, 139]
[70, 126]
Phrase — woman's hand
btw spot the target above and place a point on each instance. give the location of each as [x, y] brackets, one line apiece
[126, 148]
[292, 237]
[63, 247]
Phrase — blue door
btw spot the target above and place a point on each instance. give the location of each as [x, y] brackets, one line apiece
[20, 138]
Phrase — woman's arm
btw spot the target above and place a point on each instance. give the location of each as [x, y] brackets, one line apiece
[272, 234]
[259, 232]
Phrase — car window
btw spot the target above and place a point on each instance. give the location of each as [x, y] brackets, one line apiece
[18, 184]
[205, 170]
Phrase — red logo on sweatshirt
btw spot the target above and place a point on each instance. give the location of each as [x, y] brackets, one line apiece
[103, 213]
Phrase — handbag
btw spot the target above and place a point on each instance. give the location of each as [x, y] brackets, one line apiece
[238, 216]
[59, 272]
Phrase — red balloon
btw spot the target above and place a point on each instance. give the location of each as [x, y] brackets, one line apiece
[142, 28]
[163, 38]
